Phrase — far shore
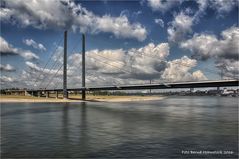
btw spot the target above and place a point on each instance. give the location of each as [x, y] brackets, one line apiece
[75, 98]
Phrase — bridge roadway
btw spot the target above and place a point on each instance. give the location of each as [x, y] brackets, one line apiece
[201, 84]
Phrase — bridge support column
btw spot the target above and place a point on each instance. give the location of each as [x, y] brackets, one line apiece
[47, 94]
[56, 94]
[191, 90]
[218, 89]
[39, 94]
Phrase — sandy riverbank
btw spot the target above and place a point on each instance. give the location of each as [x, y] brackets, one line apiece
[27, 99]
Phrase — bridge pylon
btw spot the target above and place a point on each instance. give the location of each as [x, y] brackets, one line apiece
[83, 67]
[65, 93]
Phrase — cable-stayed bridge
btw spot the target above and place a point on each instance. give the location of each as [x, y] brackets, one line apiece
[44, 86]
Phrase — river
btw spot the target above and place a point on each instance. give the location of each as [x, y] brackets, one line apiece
[175, 127]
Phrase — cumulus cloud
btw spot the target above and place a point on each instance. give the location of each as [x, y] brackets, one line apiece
[8, 49]
[160, 22]
[140, 63]
[7, 68]
[30, 42]
[137, 64]
[6, 79]
[8, 82]
[229, 68]
[178, 70]
[41, 77]
[198, 76]
[149, 61]
[120, 27]
[225, 49]
[58, 55]
[205, 46]
[68, 15]
[223, 6]
[32, 66]
[220, 6]
[162, 5]
[180, 27]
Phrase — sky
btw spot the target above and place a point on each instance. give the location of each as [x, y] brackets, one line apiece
[127, 42]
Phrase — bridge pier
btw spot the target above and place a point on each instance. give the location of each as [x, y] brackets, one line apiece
[56, 94]
[191, 90]
[47, 94]
[39, 94]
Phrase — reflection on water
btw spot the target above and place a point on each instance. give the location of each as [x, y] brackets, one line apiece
[138, 129]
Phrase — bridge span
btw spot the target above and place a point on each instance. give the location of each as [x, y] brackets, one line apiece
[200, 84]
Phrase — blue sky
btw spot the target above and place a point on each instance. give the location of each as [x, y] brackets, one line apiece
[181, 32]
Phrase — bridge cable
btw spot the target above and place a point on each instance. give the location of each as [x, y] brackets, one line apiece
[52, 54]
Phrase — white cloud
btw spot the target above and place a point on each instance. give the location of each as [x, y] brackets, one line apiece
[46, 71]
[5, 14]
[133, 63]
[220, 6]
[58, 55]
[182, 24]
[223, 6]
[28, 55]
[30, 42]
[7, 67]
[137, 64]
[8, 49]
[202, 6]
[114, 65]
[32, 65]
[160, 22]
[198, 76]
[67, 15]
[6, 79]
[162, 5]
[205, 46]
[229, 68]
[120, 27]
[148, 61]
[224, 50]
[180, 27]
[178, 70]
[39, 76]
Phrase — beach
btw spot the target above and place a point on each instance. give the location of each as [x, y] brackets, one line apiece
[26, 99]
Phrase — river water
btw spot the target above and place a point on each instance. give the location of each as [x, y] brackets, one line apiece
[185, 127]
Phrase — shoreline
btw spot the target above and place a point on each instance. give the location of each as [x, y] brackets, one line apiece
[75, 99]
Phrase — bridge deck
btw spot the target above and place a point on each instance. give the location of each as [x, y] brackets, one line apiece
[202, 84]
